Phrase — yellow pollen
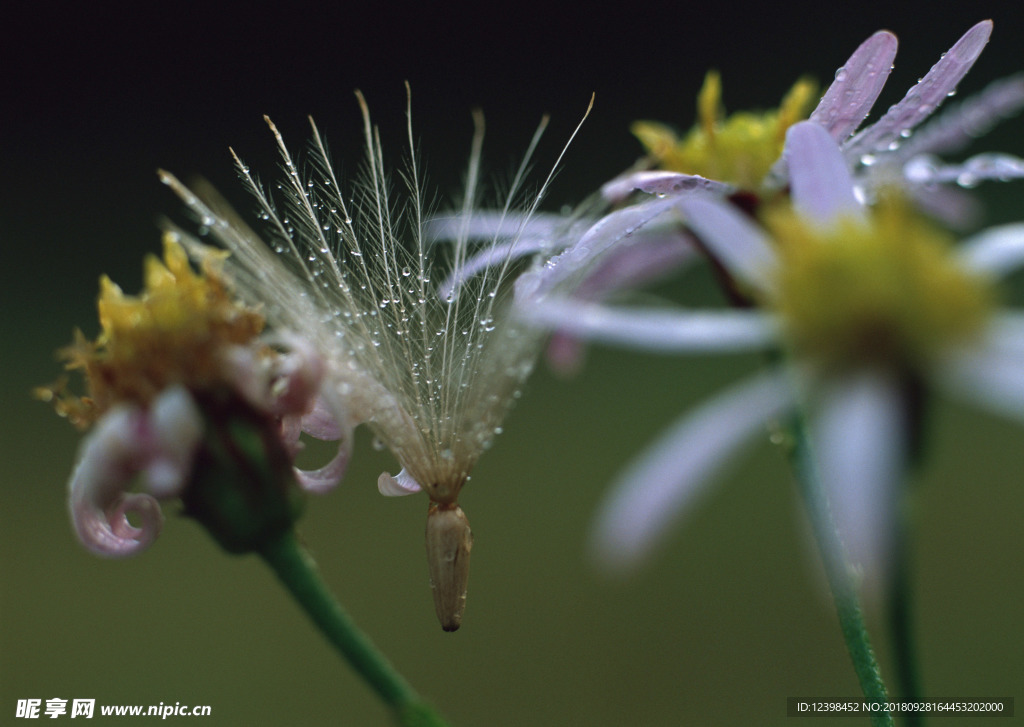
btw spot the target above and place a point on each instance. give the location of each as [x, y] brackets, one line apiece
[738, 149]
[175, 331]
[885, 291]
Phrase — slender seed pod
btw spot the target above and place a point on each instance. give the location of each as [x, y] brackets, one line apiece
[449, 541]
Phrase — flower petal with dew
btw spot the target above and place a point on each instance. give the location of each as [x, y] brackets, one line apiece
[886, 300]
[899, 149]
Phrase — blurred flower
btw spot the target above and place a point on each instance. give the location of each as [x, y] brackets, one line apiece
[358, 276]
[158, 358]
[864, 302]
[742, 154]
[739, 159]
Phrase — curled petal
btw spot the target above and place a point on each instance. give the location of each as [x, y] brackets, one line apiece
[326, 422]
[296, 376]
[176, 426]
[922, 100]
[110, 456]
[658, 487]
[323, 479]
[822, 185]
[850, 97]
[397, 486]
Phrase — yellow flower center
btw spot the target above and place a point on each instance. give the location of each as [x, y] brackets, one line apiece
[886, 291]
[738, 149]
[174, 332]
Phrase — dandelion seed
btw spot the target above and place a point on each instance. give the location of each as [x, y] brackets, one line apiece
[436, 377]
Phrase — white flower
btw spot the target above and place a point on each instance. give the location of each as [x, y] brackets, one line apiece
[859, 315]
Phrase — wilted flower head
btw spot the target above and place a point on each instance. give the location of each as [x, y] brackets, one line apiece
[160, 360]
[432, 369]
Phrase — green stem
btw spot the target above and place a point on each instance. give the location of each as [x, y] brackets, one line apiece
[900, 611]
[299, 574]
[838, 572]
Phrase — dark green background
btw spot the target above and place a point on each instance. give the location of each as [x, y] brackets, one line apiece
[728, 620]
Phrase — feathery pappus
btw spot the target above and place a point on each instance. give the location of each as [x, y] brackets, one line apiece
[432, 368]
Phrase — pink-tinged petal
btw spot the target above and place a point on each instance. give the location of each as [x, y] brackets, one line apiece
[565, 353]
[297, 374]
[820, 180]
[327, 477]
[110, 457]
[656, 329]
[990, 374]
[577, 260]
[327, 422]
[661, 183]
[176, 426]
[397, 486]
[951, 205]
[638, 261]
[655, 491]
[494, 256]
[962, 124]
[968, 173]
[859, 441]
[733, 239]
[997, 251]
[849, 99]
[922, 100]
[493, 225]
